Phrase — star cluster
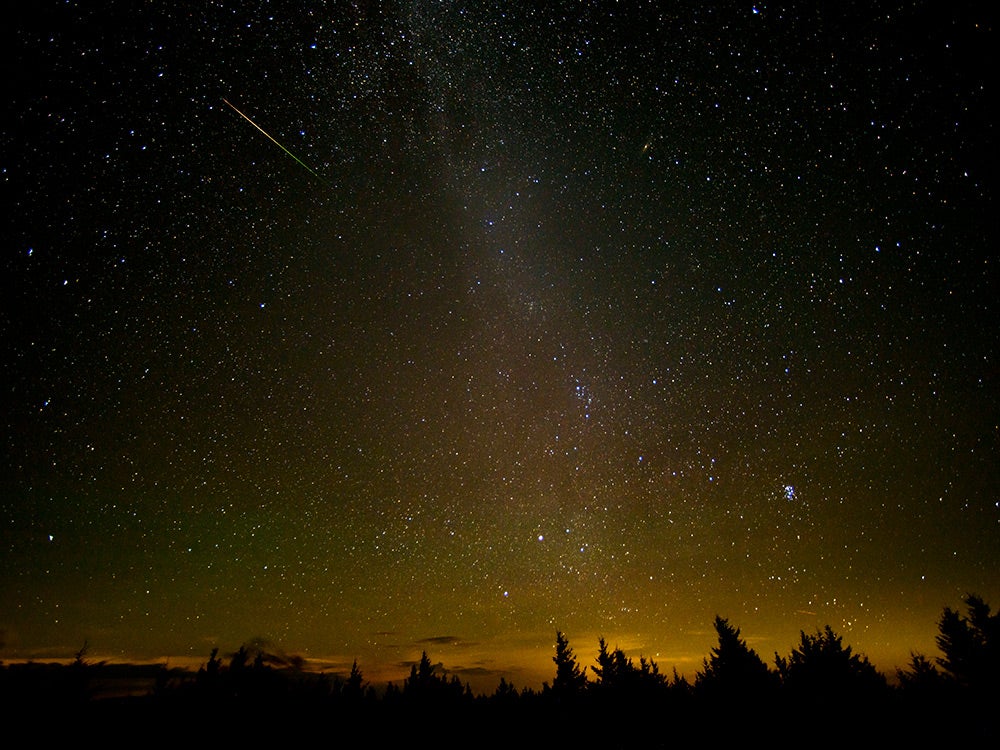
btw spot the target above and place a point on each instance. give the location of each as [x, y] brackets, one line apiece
[602, 317]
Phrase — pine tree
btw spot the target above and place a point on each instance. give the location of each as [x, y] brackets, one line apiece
[605, 665]
[570, 679]
[733, 667]
[971, 645]
[422, 678]
[354, 688]
[823, 665]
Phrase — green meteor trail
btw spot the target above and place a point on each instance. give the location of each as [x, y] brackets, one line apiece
[275, 142]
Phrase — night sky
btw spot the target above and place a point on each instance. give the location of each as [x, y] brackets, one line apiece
[368, 329]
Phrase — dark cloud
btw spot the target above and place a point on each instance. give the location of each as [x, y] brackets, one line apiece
[441, 640]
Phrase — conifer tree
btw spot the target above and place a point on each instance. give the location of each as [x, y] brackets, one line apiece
[570, 679]
[822, 664]
[971, 644]
[733, 667]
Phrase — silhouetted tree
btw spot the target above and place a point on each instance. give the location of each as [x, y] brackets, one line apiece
[505, 694]
[239, 660]
[209, 673]
[424, 684]
[421, 680]
[733, 668]
[680, 684]
[355, 686]
[649, 674]
[971, 645]
[465, 690]
[920, 680]
[964, 696]
[79, 659]
[392, 695]
[605, 668]
[617, 672]
[822, 665]
[78, 684]
[570, 680]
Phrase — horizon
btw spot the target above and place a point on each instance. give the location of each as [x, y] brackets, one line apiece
[452, 656]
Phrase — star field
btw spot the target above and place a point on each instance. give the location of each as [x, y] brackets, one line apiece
[592, 316]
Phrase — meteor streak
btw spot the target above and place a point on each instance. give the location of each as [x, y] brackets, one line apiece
[275, 142]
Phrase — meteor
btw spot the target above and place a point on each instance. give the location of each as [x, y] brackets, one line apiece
[275, 142]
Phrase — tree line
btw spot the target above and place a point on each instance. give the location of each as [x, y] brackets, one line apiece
[822, 688]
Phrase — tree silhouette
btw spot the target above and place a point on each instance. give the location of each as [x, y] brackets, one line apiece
[605, 669]
[424, 685]
[209, 674]
[680, 684]
[78, 686]
[422, 678]
[822, 665]
[617, 672]
[80, 658]
[239, 660]
[920, 680]
[649, 672]
[965, 694]
[570, 680]
[971, 645]
[733, 668]
[355, 685]
[505, 694]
